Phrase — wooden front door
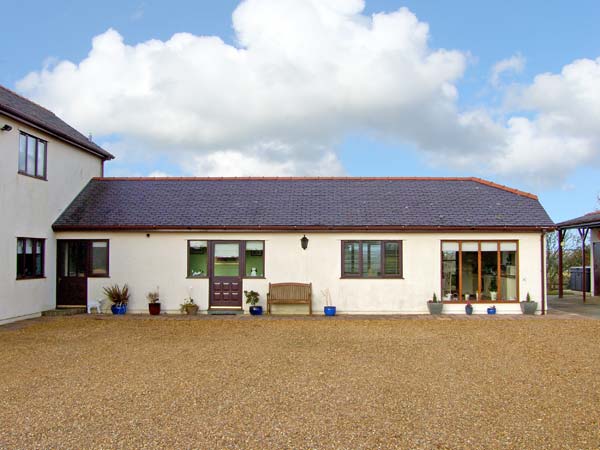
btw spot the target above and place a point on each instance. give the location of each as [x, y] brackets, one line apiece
[596, 268]
[225, 275]
[71, 274]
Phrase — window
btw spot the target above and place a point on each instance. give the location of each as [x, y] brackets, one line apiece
[30, 258]
[32, 156]
[228, 258]
[83, 258]
[255, 259]
[197, 259]
[479, 271]
[98, 259]
[371, 259]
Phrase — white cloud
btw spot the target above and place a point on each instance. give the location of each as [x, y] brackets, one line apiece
[515, 64]
[305, 73]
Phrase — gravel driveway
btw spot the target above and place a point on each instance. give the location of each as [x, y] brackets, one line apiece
[141, 382]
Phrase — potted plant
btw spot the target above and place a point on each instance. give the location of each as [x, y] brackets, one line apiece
[469, 308]
[528, 306]
[328, 309]
[189, 307]
[491, 310]
[119, 296]
[252, 300]
[153, 302]
[434, 306]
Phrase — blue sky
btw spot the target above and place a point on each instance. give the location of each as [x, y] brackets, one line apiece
[546, 35]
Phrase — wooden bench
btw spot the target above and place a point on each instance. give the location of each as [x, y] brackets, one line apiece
[289, 294]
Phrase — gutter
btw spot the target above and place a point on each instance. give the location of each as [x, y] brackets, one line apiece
[295, 228]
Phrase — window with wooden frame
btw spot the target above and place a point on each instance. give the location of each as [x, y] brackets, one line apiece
[251, 258]
[33, 154]
[480, 271]
[371, 259]
[98, 259]
[30, 258]
[254, 259]
[197, 259]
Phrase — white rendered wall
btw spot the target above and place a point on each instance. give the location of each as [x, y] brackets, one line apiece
[161, 260]
[29, 207]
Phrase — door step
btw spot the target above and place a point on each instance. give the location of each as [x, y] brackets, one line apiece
[64, 312]
[225, 311]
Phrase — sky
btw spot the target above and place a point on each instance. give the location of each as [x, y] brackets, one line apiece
[507, 90]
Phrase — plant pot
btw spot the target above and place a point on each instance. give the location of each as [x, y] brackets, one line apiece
[329, 311]
[469, 309]
[256, 310]
[491, 310]
[435, 308]
[154, 309]
[528, 307]
[118, 309]
[191, 310]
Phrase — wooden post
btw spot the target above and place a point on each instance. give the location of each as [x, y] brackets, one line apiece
[561, 235]
[583, 232]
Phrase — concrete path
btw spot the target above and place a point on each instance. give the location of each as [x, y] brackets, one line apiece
[572, 305]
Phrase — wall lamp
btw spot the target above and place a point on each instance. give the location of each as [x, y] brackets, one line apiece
[304, 242]
[6, 127]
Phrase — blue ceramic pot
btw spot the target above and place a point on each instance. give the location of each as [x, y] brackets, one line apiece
[469, 309]
[118, 309]
[329, 310]
[256, 310]
[491, 310]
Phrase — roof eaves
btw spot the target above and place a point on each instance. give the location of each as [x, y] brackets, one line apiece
[15, 114]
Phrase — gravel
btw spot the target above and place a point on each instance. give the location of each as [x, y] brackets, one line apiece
[244, 382]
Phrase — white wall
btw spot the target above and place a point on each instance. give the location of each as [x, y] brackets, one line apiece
[161, 259]
[29, 207]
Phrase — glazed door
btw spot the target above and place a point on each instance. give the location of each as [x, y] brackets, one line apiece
[71, 282]
[226, 280]
[596, 268]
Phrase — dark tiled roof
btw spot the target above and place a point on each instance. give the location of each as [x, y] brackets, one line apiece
[590, 219]
[14, 105]
[305, 203]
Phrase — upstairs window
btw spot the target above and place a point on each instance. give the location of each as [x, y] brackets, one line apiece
[30, 258]
[372, 259]
[32, 156]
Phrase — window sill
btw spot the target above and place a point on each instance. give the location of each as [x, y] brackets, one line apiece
[476, 302]
[41, 277]
[371, 278]
[254, 278]
[204, 277]
[32, 176]
[98, 276]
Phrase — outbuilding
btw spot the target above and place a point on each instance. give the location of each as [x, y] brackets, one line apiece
[377, 245]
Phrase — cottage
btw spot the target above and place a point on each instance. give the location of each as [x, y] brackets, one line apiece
[45, 164]
[378, 245]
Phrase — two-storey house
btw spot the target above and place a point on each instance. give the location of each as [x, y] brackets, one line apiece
[45, 164]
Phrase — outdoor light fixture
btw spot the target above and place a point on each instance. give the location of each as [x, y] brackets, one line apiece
[304, 242]
[6, 127]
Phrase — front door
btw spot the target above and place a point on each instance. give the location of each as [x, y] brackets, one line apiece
[225, 275]
[596, 268]
[71, 282]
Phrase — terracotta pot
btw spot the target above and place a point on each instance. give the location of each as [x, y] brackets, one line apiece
[154, 309]
[191, 310]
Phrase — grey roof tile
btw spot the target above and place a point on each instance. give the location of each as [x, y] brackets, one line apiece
[107, 203]
[13, 104]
